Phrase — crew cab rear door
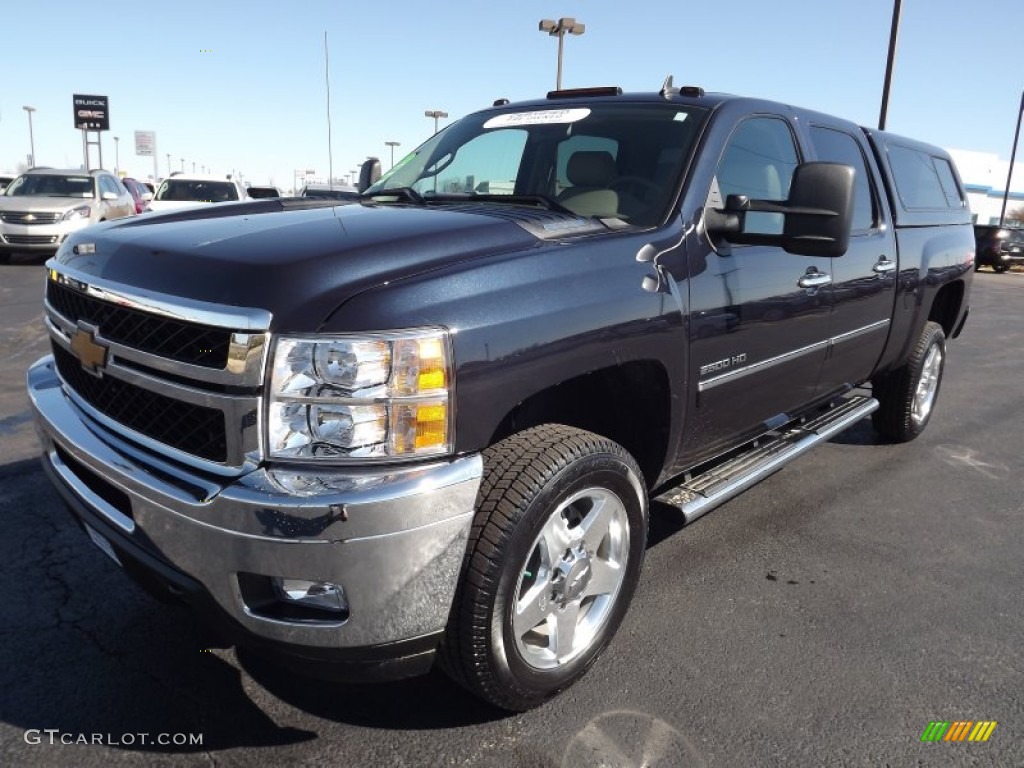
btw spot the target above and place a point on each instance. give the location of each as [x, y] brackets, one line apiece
[863, 285]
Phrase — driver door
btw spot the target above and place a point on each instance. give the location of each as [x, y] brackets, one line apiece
[758, 321]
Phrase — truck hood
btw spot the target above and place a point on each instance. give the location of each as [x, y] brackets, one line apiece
[299, 260]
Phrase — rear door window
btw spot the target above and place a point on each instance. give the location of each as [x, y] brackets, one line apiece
[838, 147]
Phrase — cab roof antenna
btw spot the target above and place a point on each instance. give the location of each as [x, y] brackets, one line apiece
[667, 89]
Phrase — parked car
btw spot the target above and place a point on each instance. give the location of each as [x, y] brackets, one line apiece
[188, 191]
[40, 208]
[998, 247]
[138, 193]
[5, 179]
[348, 194]
[259, 193]
[430, 426]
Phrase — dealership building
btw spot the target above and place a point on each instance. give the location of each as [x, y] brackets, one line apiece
[984, 178]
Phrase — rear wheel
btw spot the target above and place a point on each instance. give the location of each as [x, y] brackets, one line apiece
[552, 562]
[907, 396]
[1000, 268]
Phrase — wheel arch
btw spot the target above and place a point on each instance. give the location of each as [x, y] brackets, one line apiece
[629, 403]
[946, 308]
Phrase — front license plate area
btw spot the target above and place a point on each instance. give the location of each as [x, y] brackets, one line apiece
[101, 542]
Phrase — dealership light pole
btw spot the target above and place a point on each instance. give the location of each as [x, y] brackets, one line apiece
[117, 155]
[559, 29]
[393, 144]
[1013, 157]
[168, 163]
[31, 138]
[435, 113]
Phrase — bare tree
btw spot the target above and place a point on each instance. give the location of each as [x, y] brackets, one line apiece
[1015, 216]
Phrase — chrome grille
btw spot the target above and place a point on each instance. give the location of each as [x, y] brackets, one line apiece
[184, 426]
[185, 342]
[30, 217]
[176, 379]
[31, 239]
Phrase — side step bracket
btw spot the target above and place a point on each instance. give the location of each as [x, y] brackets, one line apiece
[702, 493]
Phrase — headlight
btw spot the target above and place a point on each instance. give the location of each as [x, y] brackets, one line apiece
[81, 212]
[383, 395]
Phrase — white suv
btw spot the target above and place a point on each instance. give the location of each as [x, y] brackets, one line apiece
[184, 191]
[40, 208]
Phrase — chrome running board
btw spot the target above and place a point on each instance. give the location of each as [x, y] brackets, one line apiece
[703, 492]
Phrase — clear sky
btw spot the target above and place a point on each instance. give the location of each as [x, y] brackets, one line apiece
[240, 85]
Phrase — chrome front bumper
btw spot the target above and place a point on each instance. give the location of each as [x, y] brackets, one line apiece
[394, 539]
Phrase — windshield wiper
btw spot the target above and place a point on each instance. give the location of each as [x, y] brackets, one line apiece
[408, 193]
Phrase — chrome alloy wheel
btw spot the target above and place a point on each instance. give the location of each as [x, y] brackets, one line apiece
[571, 578]
[927, 385]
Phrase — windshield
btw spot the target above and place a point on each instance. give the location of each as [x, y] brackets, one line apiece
[197, 191]
[618, 161]
[51, 185]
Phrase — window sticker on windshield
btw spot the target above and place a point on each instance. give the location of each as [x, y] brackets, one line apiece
[680, 117]
[541, 117]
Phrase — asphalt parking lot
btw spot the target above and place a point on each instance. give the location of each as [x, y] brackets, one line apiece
[824, 617]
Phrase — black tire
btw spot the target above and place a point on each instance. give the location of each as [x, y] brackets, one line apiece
[1000, 268]
[907, 395]
[528, 478]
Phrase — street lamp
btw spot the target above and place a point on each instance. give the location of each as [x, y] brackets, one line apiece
[1013, 157]
[31, 138]
[183, 165]
[559, 29]
[435, 113]
[168, 163]
[193, 166]
[394, 144]
[117, 155]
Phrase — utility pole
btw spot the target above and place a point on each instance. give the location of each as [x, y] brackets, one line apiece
[893, 35]
[1013, 157]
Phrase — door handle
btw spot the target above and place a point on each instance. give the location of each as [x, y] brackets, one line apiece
[884, 266]
[814, 280]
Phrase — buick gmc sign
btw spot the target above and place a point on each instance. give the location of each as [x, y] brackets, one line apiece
[92, 113]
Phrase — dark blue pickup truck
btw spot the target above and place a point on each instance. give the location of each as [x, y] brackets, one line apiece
[426, 426]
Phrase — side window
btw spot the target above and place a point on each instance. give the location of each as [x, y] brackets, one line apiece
[758, 162]
[580, 143]
[917, 180]
[837, 147]
[954, 197]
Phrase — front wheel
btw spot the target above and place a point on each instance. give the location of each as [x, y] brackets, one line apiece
[907, 395]
[551, 565]
[1000, 268]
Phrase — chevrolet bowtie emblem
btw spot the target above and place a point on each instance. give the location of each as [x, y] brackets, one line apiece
[90, 353]
[30, 217]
